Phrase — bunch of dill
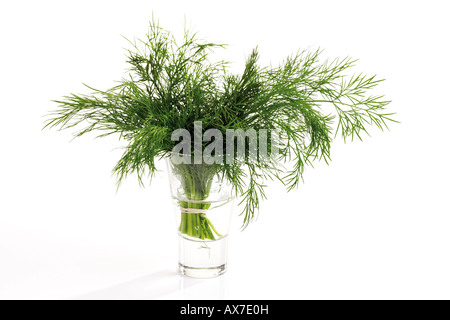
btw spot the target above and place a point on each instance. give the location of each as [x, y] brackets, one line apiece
[171, 85]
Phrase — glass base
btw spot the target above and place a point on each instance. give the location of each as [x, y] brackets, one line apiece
[202, 258]
[201, 272]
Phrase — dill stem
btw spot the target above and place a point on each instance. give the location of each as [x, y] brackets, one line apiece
[196, 183]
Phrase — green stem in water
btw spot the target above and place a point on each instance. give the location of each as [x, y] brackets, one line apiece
[196, 181]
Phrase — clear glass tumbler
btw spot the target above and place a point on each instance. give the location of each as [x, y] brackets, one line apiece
[203, 203]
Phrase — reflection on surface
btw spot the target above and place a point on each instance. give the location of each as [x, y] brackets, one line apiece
[153, 286]
[164, 284]
[191, 288]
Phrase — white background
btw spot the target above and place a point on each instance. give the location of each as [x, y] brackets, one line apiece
[374, 224]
